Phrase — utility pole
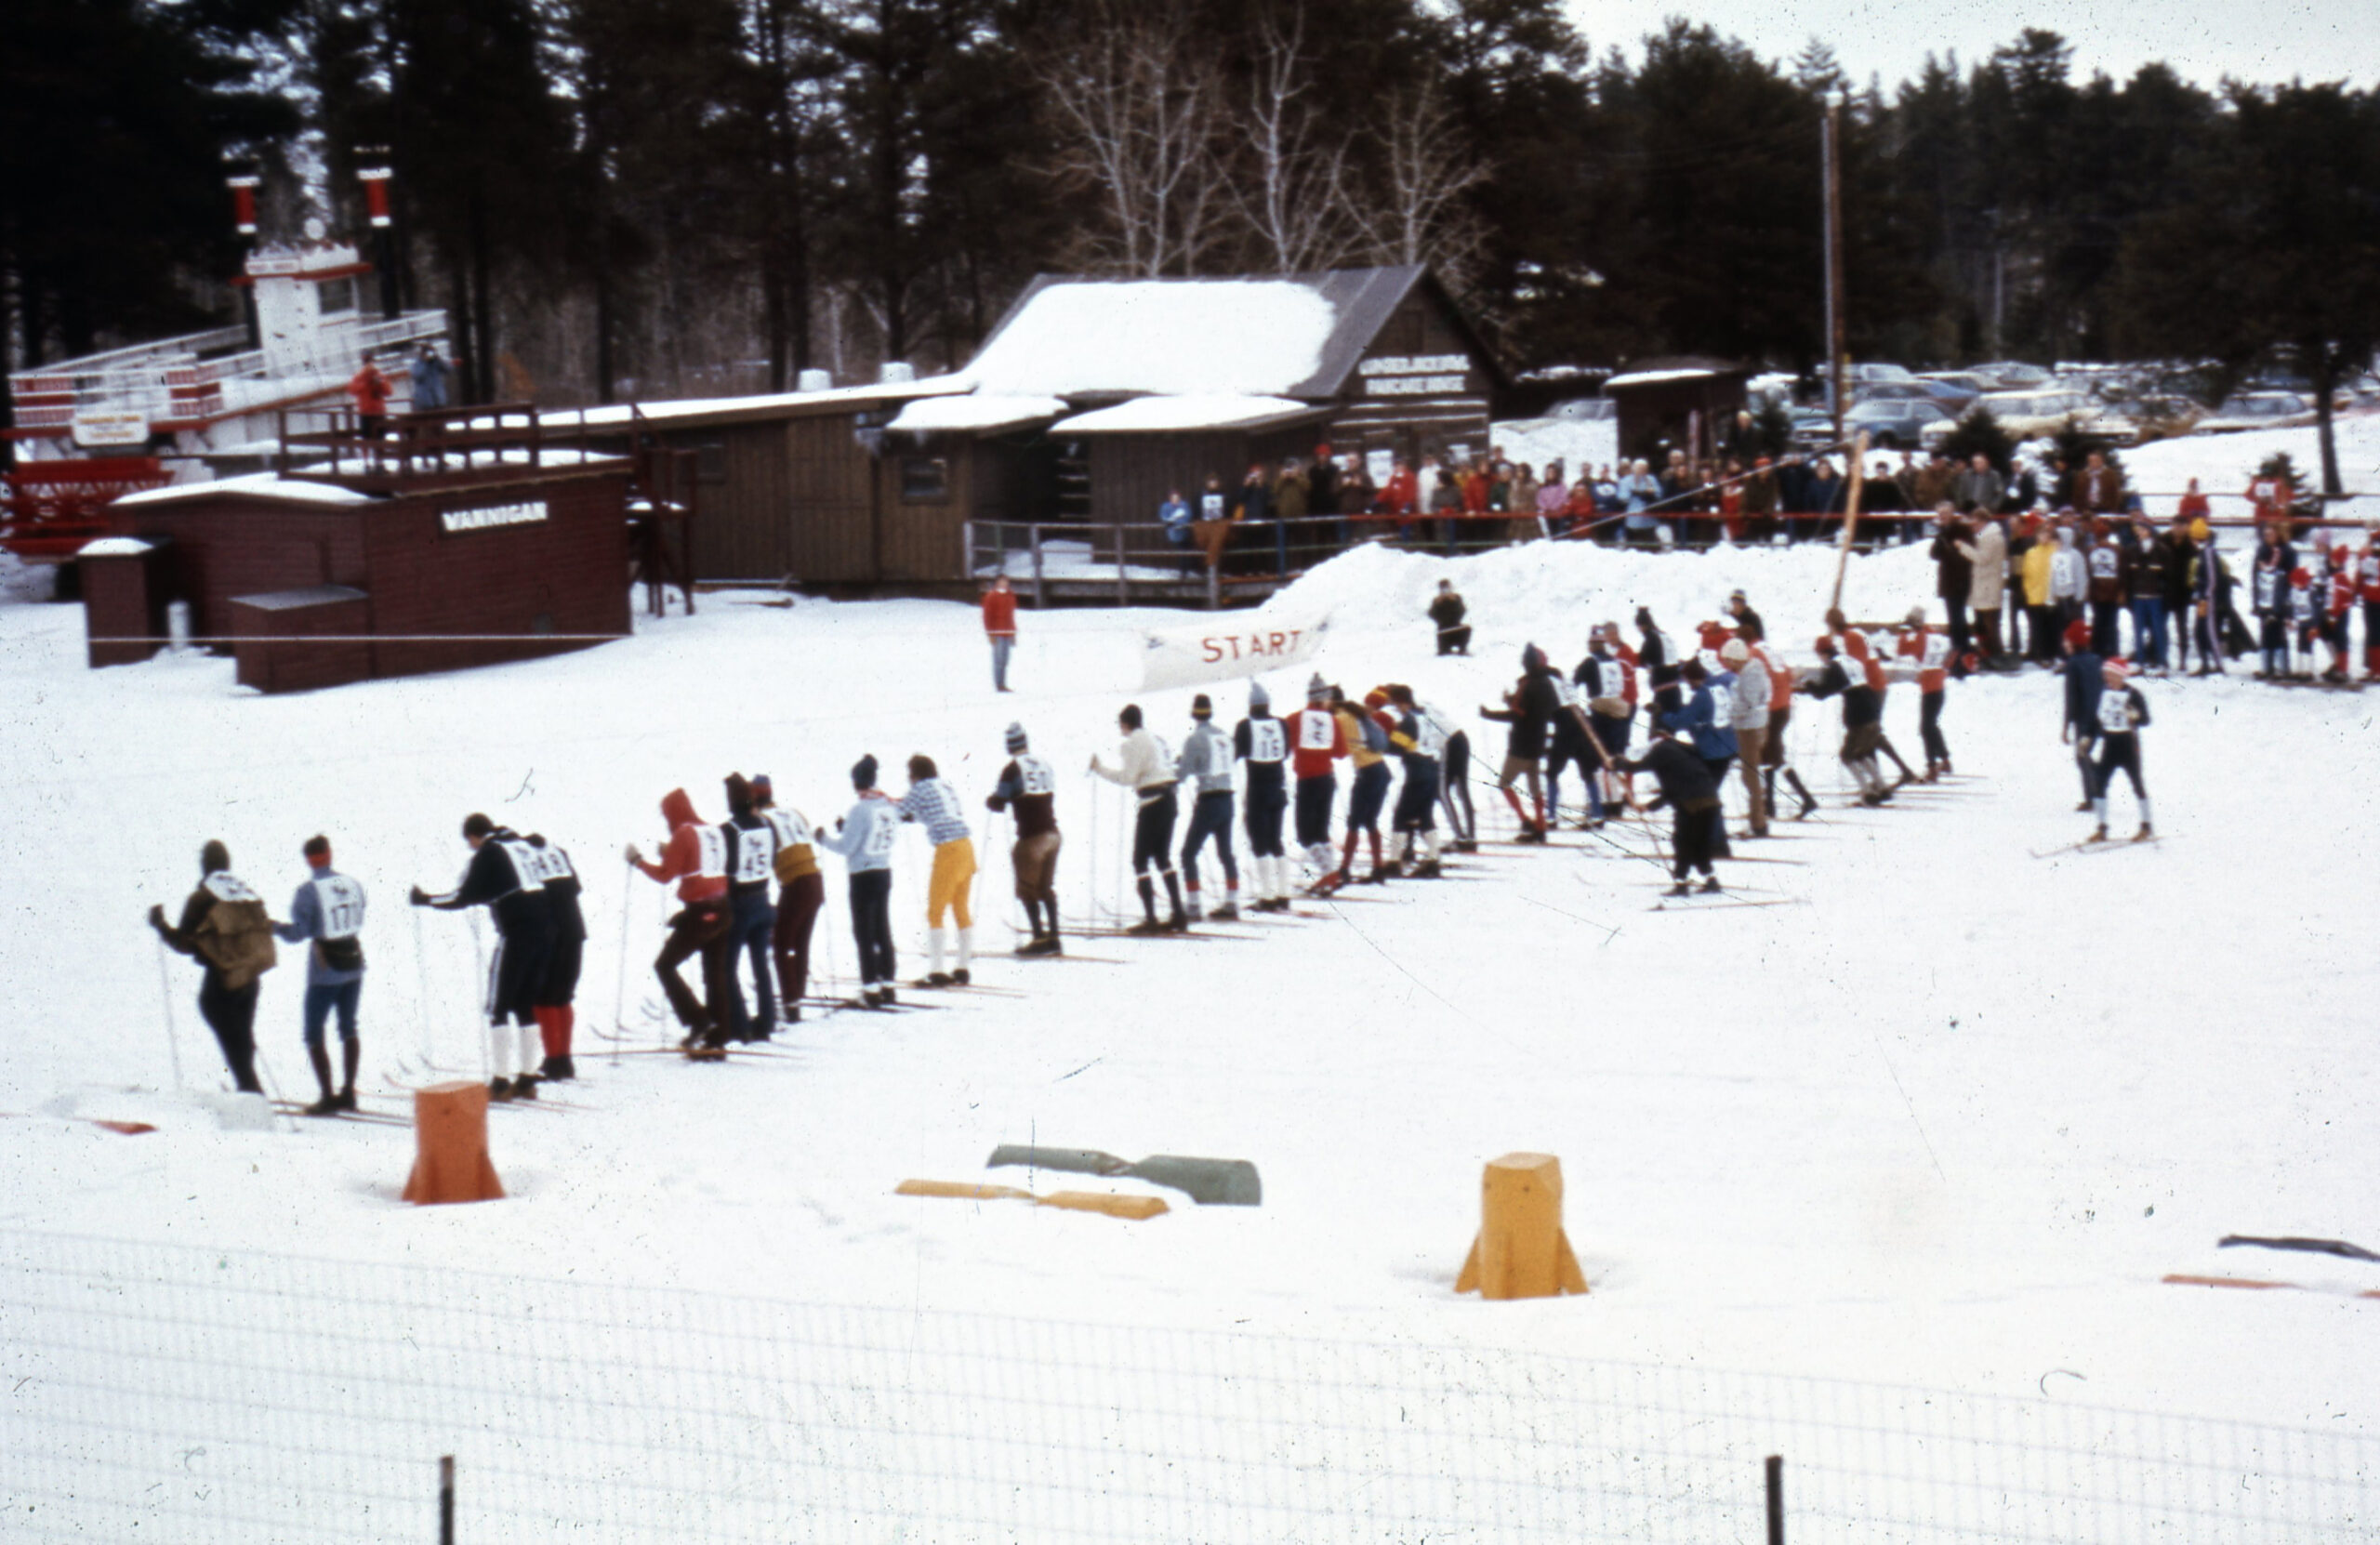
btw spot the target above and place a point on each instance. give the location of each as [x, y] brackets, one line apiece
[1830, 147]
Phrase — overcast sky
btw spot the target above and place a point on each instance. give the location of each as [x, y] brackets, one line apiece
[2266, 41]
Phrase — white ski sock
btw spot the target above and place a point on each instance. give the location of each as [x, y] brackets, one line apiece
[1231, 896]
[2145, 818]
[967, 949]
[1190, 905]
[933, 951]
[499, 1050]
[2099, 809]
[1430, 846]
[533, 1050]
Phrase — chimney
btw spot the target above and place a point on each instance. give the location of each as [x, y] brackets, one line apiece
[896, 373]
[816, 380]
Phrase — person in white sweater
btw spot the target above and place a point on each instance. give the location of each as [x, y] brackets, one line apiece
[1146, 767]
[1748, 715]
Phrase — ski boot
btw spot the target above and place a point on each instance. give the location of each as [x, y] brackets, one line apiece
[1710, 886]
[1680, 889]
[1146, 927]
[1227, 913]
[2145, 834]
[499, 1089]
[327, 1105]
[961, 978]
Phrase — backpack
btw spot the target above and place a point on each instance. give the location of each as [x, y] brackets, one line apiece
[235, 937]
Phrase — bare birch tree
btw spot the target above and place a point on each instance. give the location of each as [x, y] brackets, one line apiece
[1139, 105]
[1294, 202]
[1426, 168]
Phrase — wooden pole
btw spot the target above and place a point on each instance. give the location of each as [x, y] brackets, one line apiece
[1776, 1468]
[1850, 515]
[1832, 134]
[446, 1500]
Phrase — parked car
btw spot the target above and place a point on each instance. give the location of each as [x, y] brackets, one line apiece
[2259, 410]
[1584, 410]
[1892, 391]
[1897, 424]
[1865, 374]
[2012, 376]
[1955, 387]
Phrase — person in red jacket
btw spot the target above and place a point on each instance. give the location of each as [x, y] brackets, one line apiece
[370, 390]
[1316, 743]
[2367, 587]
[1000, 626]
[696, 858]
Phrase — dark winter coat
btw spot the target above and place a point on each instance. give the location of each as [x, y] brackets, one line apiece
[1686, 779]
[1534, 703]
[1954, 571]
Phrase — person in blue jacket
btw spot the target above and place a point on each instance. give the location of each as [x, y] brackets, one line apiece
[1699, 720]
[2083, 684]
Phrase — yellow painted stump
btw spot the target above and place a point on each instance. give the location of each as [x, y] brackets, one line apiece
[1521, 1251]
[450, 1145]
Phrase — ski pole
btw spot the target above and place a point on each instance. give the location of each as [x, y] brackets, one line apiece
[173, 1036]
[620, 983]
[421, 1008]
[479, 969]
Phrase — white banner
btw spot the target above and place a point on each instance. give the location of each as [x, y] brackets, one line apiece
[1232, 648]
[95, 428]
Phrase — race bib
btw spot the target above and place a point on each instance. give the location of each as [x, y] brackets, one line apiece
[525, 863]
[226, 886]
[550, 864]
[1315, 729]
[713, 862]
[342, 901]
[2115, 713]
[792, 831]
[1938, 652]
[1265, 741]
[881, 837]
[2103, 562]
[754, 854]
[1034, 777]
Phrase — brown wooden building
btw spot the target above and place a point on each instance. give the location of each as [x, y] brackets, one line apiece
[1685, 403]
[315, 582]
[1090, 401]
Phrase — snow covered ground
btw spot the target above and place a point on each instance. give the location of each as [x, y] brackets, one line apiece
[1944, 1121]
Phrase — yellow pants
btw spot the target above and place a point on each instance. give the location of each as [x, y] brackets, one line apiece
[954, 875]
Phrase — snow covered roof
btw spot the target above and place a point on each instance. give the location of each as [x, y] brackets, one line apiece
[723, 407]
[1083, 338]
[1195, 411]
[1658, 372]
[264, 485]
[976, 412]
[114, 547]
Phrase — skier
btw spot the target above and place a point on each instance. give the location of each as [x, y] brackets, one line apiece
[1263, 741]
[1608, 681]
[2121, 712]
[224, 928]
[501, 879]
[1530, 708]
[2083, 688]
[1747, 714]
[1315, 741]
[865, 838]
[1446, 611]
[1863, 710]
[696, 858]
[1366, 736]
[1932, 652]
[1206, 766]
[2306, 621]
[1030, 787]
[751, 920]
[1657, 656]
[1862, 658]
[801, 891]
[2339, 594]
[1692, 794]
[933, 804]
[2211, 589]
[1569, 745]
[559, 878]
[1782, 681]
[1145, 766]
[1420, 740]
[1454, 780]
[328, 912]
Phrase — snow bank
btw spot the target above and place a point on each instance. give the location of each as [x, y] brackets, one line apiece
[1214, 336]
[1589, 442]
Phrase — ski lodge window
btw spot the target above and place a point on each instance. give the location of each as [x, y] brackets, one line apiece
[925, 480]
[336, 296]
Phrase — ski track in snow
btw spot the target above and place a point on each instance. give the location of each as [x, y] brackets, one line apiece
[1946, 1125]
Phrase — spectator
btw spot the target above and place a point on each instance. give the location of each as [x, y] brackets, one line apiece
[1978, 486]
[1182, 523]
[2068, 580]
[429, 379]
[2181, 553]
[1523, 501]
[1953, 575]
[1639, 491]
[1251, 504]
[2152, 569]
[2041, 620]
[999, 626]
[1987, 551]
[1322, 483]
[369, 389]
[2110, 582]
[1933, 481]
[2099, 488]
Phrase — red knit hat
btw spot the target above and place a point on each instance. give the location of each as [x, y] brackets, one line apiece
[2077, 635]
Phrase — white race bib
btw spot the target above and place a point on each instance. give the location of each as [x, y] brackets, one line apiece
[226, 886]
[713, 862]
[754, 853]
[881, 834]
[525, 863]
[1265, 741]
[1315, 729]
[2115, 712]
[550, 862]
[342, 901]
[792, 829]
[1034, 777]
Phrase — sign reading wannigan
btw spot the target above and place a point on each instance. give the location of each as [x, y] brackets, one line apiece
[528, 512]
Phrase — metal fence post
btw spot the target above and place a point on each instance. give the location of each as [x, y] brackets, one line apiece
[1033, 535]
[1123, 584]
[446, 1500]
[1776, 1499]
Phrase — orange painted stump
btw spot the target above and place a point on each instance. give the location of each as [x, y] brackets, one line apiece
[1521, 1251]
[450, 1145]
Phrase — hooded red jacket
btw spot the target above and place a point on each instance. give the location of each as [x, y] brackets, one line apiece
[696, 856]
